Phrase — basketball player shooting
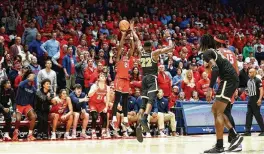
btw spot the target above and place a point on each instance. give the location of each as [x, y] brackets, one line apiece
[149, 63]
[229, 82]
[122, 78]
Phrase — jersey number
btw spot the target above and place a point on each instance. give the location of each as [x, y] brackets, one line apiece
[146, 62]
[230, 58]
[99, 97]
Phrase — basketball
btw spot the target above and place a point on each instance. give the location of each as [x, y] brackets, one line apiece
[124, 25]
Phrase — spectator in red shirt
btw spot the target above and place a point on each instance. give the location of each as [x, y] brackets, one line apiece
[202, 86]
[174, 96]
[196, 73]
[135, 80]
[188, 84]
[164, 81]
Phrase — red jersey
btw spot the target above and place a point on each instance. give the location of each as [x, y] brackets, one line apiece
[122, 69]
[59, 108]
[231, 57]
[99, 96]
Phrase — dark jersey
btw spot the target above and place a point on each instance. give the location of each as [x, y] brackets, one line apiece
[149, 66]
[226, 69]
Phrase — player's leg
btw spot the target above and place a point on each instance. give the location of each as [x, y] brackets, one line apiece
[69, 121]
[55, 119]
[103, 116]
[224, 93]
[85, 120]
[76, 116]
[118, 95]
[17, 124]
[124, 106]
[145, 98]
[152, 94]
[32, 117]
[125, 100]
[228, 115]
[94, 115]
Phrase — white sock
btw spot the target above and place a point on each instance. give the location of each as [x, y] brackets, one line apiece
[6, 134]
[83, 131]
[114, 119]
[30, 132]
[53, 133]
[67, 134]
[125, 119]
[74, 131]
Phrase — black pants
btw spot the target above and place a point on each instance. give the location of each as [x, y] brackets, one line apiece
[42, 122]
[7, 117]
[253, 109]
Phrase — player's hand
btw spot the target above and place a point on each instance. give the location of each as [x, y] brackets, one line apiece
[63, 117]
[85, 99]
[259, 102]
[111, 54]
[6, 110]
[132, 25]
[105, 110]
[209, 95]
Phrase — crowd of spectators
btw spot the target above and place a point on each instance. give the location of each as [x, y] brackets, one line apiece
[71, 42]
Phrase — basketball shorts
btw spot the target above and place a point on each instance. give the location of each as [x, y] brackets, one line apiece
[122, 85]
[226, 90]
[23, 109]
[98, 107]
[149, 85]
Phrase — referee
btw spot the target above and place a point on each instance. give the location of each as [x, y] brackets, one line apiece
[255, 93]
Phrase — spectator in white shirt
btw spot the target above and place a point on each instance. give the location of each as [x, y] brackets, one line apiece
[258, 44]
[240, 62]
[48, 73]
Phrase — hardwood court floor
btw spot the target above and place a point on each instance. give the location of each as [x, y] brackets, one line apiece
[170, 145]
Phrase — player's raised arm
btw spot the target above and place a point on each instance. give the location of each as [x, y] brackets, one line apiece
[137, 41]
[167, 49]
[121, 45]
[132, 49]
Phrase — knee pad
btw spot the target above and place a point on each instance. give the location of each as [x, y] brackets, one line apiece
[104, 119]
[94, 115]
